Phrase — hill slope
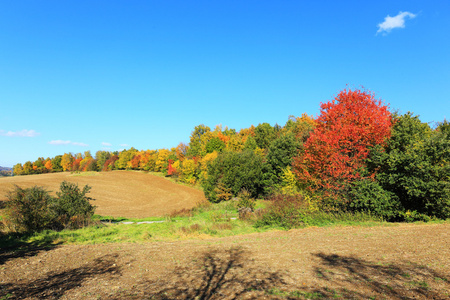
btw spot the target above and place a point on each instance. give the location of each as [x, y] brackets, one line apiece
[118, 193]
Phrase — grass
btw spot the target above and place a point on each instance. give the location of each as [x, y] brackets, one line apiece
[205, 221]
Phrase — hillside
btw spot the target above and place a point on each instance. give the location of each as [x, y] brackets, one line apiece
[5, 168]
[118, 193]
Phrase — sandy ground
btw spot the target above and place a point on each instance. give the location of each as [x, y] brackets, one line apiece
[118, 193]
[406, 261]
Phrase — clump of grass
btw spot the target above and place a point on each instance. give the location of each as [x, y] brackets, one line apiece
[184, 212]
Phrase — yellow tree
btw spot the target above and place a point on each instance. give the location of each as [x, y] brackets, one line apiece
[67, 161]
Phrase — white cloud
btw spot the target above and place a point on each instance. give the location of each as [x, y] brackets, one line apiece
[106, 144]
[394, 22]
[80, 144]
[61, 142]
[22, 133]
[123, 145]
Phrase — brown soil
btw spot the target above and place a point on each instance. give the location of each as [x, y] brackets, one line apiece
[406, 261]
[118, 193]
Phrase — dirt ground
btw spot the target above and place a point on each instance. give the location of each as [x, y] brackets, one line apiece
[118, 193]
[403, 261]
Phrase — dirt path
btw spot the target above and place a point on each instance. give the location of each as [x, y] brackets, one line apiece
[118, 193]
[404, 261]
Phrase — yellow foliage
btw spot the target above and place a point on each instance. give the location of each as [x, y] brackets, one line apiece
[208, 158]
[161, 159]
[188, 170]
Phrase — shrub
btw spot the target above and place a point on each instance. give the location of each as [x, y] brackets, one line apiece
[245, 200]
[72, 205]
[29, 209]
[286, 211]
[368, 196]
[34, 209]
[236, 171]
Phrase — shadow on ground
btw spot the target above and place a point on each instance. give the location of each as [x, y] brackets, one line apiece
[55, 284]
[351, 277]
[15, 245]
[215, 274]
[232, 274]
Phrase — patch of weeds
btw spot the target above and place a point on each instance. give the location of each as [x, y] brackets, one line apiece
[440, 279]
[406, 275]
[419, 284]
[222, 226]
[295, 294]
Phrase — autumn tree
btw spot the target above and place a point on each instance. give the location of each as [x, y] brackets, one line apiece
[195, 144]
[347, 128]
[67, 161]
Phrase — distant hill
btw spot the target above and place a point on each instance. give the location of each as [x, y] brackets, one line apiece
[5, 169]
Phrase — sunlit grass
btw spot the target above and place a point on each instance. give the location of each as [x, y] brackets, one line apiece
[205, 221]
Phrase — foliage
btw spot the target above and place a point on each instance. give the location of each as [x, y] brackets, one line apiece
[286, 211]
[215, 144]
[29, 209]
[223, 193]
[195, 145]
[336, 150]
[280, 154]
[72, 202]
[34, 209]
[246, 200]
[415, 167]
[124, 157]
[264, 135]
[236, 171]
[366, 195]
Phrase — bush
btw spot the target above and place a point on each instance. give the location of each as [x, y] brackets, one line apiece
[245, 200]
[72, 205]
[34, 209]
[286, 211]
[235, 171]
[29, 210]
[368, 196]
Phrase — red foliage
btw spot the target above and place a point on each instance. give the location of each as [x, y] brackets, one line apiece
[76, 164]
[170, 169]
[109, 164]
[338, 147]
[135, 162]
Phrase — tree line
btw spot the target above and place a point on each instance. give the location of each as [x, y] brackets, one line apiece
[356, 155]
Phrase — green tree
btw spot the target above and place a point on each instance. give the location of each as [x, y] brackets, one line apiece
[195, 144]
[102, 157]
[279, 157]
[56, 164]
[215, 144]
[415, 167]
[264, 135]
[18, 169]
[235, 171]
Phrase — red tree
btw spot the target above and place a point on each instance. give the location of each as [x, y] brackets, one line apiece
[337, 148]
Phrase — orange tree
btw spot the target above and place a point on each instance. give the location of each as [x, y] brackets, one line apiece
[346, 129]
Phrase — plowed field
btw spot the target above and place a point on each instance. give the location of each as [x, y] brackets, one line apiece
[404, 261]
[118, 193]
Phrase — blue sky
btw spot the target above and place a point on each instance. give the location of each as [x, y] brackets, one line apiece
[108, 75]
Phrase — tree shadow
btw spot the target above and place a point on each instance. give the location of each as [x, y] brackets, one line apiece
[404, 280]
[215, 274]
[14, 245]
[55, 284]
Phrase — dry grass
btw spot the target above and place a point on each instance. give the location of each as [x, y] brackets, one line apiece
[119, 193]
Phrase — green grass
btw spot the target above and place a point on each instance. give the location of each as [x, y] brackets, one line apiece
[215, 220]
